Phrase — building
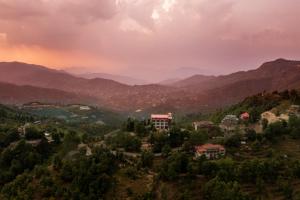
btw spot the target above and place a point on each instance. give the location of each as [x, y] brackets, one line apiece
[22, 129]
[161, 121]
[230, 120]
[245, 116]
[294, 110]
[229, 123]
[203, 125]
[210, 151]
[272, 118]
[84, 108]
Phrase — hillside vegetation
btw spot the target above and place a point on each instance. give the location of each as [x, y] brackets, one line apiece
[57, 159]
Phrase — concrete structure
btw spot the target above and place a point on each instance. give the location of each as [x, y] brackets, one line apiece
[161, 121]
[202, 125]
[210, 151]
[272, 118]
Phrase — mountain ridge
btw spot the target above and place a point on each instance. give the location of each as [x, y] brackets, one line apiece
[118, 78]
[193, 94]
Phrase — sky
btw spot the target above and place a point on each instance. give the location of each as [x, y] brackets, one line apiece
[149, 39]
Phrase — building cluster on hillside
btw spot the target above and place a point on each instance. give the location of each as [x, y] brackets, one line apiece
[228, 124]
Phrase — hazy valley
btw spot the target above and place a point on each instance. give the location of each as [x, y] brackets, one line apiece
[194, 94]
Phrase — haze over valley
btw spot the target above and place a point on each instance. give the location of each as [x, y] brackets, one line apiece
[193, 94]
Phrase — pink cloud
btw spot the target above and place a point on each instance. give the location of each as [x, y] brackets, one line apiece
[218, 36]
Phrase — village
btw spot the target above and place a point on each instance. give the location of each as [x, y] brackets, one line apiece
[213, 148]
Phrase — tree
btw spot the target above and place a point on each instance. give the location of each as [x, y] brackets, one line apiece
[176, 137]
[32, 133]
[132, 143]
[175, 164]
[10, 136]
[147, 159]
[233, 141]
[140, 129]
[260, 188]
[198, 138]
[166, 150]
[264, 123]
[57, 162]
[217, 189]
[286, 188]
[56, 138]
[251, 134]
[159, 140]
[275, 130]
[129, 125]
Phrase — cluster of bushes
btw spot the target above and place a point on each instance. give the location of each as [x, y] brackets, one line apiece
[258, 104]
[174, 138]
[8, 114]
[226, 176]
[127, 141]
[82, 178]
[141, 128]
[14, 161]
[7, 137]
[274, 131]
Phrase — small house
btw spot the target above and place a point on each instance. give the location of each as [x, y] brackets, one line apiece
[203, 125]
[210, 151]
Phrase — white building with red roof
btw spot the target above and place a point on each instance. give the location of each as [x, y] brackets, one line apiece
[245, 116]
[210, 151]
[161, 121]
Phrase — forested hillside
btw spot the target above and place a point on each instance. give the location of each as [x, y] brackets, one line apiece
[49, 158]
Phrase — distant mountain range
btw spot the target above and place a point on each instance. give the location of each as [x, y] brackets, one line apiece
[196, 93]
[13, 94]
[121, 79]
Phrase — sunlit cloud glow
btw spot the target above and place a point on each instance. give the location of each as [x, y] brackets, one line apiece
[149, 38]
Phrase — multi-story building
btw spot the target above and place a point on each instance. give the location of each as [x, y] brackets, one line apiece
[161, 121]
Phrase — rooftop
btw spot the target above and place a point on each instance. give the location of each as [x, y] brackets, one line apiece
[199, 123]
[161, 116]
[206, 147]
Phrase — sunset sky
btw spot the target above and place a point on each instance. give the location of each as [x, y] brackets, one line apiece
[150, 39]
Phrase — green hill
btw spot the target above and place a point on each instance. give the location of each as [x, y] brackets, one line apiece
[65, 158]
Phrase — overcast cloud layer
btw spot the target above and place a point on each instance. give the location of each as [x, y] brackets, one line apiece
[153, 39]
